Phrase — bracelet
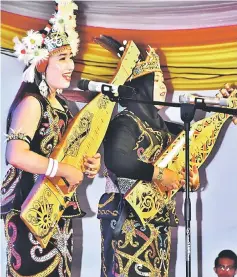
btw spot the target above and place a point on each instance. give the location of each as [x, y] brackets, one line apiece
[18, 136]
[50, 167]
[160, 174]
[55, 169]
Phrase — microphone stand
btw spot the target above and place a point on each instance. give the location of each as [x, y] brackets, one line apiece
[187, 115]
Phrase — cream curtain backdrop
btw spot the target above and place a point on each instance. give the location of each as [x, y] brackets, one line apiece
[214, 225]
[139, 15]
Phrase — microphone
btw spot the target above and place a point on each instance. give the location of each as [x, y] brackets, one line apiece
[191, 99]
[115, 93]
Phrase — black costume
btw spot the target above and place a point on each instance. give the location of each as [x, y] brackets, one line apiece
[134, 140]
[25, 256]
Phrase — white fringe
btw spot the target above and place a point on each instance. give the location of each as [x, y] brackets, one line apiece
[29, 74]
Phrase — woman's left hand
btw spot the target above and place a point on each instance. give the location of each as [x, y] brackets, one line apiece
[92, 165]
[225, 92]
[193, 178]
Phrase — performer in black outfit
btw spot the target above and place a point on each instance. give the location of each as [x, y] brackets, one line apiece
[135, 138]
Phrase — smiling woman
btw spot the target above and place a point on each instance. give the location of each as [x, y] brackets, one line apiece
[36, 122]
[61, 65]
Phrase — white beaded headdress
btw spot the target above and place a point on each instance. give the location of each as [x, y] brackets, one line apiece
[35, 49]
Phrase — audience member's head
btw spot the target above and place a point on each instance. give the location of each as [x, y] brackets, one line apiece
[226, 264]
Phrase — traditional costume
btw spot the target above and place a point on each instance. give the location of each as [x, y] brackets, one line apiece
[25, 256]
[134, 140]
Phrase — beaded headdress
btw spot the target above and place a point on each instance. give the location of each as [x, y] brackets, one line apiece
[35, 49]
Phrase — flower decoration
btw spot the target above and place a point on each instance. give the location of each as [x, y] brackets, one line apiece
[60, 31]
[33, 39]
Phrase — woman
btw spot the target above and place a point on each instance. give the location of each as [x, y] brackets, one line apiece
[36, 122]
[135, 138]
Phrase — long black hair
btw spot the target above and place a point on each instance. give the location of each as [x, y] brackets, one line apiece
[24, 90]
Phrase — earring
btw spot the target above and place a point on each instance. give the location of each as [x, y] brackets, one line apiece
[59, 91]
[43, 87]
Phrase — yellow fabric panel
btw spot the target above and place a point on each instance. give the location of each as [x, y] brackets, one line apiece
[202, 56]
[7, 35]
[185, 68]
[180, 83]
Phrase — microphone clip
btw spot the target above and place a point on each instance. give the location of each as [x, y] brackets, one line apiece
[201, 101]
[111, 92]
[118, 93]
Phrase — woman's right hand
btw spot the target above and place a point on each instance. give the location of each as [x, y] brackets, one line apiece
[225, 92]
[170, 179]
[73, 176]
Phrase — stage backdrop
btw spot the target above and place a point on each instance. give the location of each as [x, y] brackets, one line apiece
[214, 225]
[196, 42]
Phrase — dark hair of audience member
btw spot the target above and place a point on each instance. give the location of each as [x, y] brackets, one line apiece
[226, 254]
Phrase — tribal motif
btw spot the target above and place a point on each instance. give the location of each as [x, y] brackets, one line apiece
[41, 214]
[79, 134]
[53, 261]
[9, 186]
[149, 154]
[151, 64]
[142, 251]
[103, 102]
[138, 251]
[52, 130]
[149, 202]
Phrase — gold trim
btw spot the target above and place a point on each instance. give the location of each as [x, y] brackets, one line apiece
[102, 250]
[111, 198]
[106, 212]
[151, 64]
[59, 50]
[152, 151]
[44, 273]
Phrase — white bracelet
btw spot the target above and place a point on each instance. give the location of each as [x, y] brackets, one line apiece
[50, 167]
[55, 169]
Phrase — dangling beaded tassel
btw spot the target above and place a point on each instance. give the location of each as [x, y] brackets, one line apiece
[59, 91]
[43, 87]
